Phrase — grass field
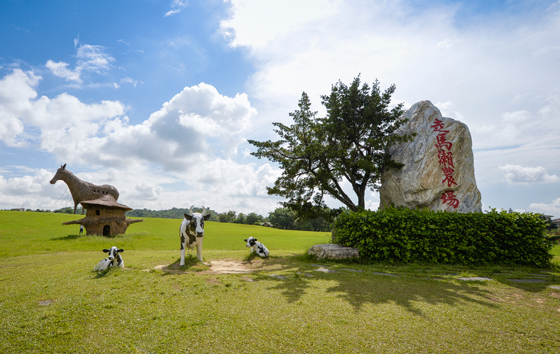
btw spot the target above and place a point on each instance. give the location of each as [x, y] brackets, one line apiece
[52, 302]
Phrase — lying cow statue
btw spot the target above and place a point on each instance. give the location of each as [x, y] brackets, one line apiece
[257, 247]
[114, 259]
[192, 232]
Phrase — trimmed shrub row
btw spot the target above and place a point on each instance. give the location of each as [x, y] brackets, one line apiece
[403, 235]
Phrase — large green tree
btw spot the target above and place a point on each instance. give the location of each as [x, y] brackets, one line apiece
[348, 145]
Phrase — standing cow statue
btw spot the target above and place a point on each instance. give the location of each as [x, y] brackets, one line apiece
[82, 190]
[192, 232]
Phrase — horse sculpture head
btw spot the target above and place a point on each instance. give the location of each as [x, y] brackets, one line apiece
[58, 174]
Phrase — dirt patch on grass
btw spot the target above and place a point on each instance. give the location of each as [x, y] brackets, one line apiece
[46, 302]
[229, 267]
[215, 266]
[213, 281]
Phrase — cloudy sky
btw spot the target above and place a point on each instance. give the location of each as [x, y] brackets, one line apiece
[159, 98]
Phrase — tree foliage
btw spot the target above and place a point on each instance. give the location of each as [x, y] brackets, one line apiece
[348, 145]
[283, 218]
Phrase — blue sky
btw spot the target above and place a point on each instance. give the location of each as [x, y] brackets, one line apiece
[159, 97]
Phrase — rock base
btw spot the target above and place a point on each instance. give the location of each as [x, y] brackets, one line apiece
[333, 251]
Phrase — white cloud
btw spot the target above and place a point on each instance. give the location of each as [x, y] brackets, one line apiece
[446, 43]
[517, 116]
[16, 92]
[60, 69]
[549, 209]
[448, 110]
[520, 174]
[176, 136]
[32, 191]
[91, 58]
[128, 80]
[177, 6]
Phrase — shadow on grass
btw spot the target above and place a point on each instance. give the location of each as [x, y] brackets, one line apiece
[251, 256]
[368, 288]
[66, 238]
[102, 274]
[75, 237]
[191, 264]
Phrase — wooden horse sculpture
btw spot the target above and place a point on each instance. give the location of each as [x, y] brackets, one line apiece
[82, 190]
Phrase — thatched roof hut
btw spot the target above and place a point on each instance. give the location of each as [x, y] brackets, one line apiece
[104, 217]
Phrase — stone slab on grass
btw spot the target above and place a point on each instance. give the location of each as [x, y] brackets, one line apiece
[388, 274]
[333, 251]
[527, 280]
[325, 270]
[475, 279]
[350, 270]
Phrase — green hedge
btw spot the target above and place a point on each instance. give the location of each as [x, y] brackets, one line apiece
[402, 235]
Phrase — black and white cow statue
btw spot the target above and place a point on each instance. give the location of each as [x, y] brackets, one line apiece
[192, 232]
[257, 247]
[114, 259]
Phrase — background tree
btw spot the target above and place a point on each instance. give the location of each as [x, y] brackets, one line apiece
[253, 218]
[284, 218]
[349, 144]
[240, 219]
[227, 217]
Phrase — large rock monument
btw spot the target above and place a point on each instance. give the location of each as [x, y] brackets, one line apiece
[438, 170]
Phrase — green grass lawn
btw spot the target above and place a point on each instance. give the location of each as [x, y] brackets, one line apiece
[52, 302]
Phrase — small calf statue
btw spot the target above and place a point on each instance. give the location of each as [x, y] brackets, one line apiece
[257, 247]
[114, 260]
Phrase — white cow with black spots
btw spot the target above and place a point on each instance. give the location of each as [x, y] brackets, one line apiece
[114, 259]
[192, 232]
[257, 247]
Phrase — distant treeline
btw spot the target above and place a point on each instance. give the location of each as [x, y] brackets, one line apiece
[280, 218]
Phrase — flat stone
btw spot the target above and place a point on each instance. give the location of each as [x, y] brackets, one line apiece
[325, 270]
[46, 302]
[555, 287]
[333, 251]
[389, 274]
[527, 280]
[351, 270]
[278, 276]
[475, 279]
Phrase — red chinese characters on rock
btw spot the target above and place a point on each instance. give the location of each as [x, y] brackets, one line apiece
[445, 162]
[449, 199]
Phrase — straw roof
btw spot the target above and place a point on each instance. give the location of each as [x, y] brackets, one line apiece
[106, 200]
